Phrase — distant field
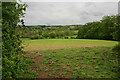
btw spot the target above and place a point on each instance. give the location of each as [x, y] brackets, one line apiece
[45, 44]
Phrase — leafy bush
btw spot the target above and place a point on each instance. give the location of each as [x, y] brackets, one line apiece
[66, 37]
[52, 35]
[117, 48]
[72, 37]
[34, 37]
[45, 34]
[41, 37]
[12, 64]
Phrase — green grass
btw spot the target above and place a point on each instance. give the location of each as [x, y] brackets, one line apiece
[28, 72]
[92, 62]
[45, 44]
[70, 58]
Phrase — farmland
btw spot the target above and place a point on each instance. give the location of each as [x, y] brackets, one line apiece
[70, 58]
[44, 44]
[58, 46]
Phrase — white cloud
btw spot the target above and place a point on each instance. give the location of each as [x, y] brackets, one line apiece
[70, 0]
[68, 13]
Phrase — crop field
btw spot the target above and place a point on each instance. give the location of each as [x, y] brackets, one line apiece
[73, 58]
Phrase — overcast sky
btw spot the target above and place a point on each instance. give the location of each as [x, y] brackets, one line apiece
[68, 12]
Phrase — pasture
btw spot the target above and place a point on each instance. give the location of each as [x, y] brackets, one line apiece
[45, 44]
[70, 58]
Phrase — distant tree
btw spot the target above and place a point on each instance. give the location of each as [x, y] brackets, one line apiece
[116, 34]
[52, 35]
[45, 34]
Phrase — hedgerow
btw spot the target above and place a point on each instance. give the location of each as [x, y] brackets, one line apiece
[12, 66]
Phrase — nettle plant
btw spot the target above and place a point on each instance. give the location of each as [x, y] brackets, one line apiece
[12, 66]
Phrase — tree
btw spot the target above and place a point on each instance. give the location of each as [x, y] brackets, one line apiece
[45, 34]
[116, 34]
[104, 29]
[52, 35]
[11, 59]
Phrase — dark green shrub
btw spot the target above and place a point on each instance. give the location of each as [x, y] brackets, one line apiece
[45, 34]
[117, 48]
[72, 37]
[35, 37]
[66, 37]
[52, 35]
[59, 37]
[41, 37]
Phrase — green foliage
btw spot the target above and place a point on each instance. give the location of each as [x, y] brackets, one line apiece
[47, 31]
[66, 37]
[107, 29]
[116, 34]
[104, 29]
[72, 37]
[41, 37]
[29, 61]
[117, 48]
[45, 34]
[34, 37]
[52, 35]
[12, 65]
[46, 70]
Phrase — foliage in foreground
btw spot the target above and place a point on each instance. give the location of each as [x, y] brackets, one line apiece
[12, 66]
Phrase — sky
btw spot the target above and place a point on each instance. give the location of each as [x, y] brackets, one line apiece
[65, 13]
[70, 0]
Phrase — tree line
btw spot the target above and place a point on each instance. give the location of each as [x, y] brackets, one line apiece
[104, 29]
[38, 32]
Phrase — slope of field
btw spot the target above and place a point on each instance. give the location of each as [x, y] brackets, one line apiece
[45, 44]
[70, 58]
[91, 62]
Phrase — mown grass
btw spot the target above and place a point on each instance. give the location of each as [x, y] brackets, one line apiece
[45, 44]
[89, 62]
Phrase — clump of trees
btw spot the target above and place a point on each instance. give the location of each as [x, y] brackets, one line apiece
[116, 35]
[38, 32]
[106, 29]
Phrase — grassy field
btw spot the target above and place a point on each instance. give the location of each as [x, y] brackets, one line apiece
[45, 44]
[70, 58]
[93, 62]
